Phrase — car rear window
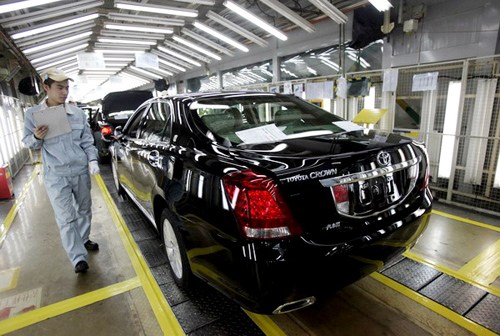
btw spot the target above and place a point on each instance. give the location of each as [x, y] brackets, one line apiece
[264, 118]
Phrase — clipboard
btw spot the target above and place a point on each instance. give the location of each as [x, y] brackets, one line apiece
[56, 120]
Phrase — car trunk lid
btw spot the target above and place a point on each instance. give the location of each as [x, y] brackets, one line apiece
[336, 187]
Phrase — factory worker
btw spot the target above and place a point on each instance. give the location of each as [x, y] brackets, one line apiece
[69, 157]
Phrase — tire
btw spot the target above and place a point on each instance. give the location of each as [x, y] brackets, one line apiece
[175, 250]
[116, 180]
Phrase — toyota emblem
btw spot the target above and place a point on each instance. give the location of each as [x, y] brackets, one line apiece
[384, 158]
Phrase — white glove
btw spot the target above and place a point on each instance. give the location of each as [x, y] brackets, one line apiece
[94, 168]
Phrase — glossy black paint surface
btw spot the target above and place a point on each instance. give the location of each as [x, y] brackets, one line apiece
[170, 159]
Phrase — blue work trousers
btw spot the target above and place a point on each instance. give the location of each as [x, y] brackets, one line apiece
[71, 201]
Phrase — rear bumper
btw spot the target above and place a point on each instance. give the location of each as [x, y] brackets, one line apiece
[290, 271]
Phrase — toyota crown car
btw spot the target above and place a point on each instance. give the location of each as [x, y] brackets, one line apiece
[268, 198]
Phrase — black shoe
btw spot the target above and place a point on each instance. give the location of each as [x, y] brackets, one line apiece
[91, 246]
[81, 267]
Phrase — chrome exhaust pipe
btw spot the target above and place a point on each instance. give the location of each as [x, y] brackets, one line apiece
[295, 305]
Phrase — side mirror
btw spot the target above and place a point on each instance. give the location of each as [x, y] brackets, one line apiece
[117, 134]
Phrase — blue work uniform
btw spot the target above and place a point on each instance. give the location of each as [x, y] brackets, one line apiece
[66, 177]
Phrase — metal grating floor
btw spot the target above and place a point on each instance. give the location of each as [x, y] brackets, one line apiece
[465, 299]
[200, 310]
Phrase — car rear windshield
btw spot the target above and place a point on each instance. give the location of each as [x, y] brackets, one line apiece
[265, 118]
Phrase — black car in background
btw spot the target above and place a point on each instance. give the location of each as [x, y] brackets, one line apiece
[269, 198]
[116, 108]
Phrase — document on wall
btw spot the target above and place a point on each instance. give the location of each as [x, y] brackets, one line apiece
[56, 120]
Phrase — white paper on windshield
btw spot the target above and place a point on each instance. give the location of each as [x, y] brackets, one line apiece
[348, 126]
[56, 120]
[266, 133]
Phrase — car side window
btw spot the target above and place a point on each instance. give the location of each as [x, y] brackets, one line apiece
[133, 125]
[155, 122]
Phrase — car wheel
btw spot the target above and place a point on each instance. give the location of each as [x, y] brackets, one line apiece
[116, 179]
[176, 251]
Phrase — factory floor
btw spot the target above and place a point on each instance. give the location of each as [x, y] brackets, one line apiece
[447, 284]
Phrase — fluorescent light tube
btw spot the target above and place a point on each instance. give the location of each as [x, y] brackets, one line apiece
[200, 2]
[180, 56]
[59, 53]
[145, 29]
[381, 5]
[119, 59]
[175, 60]
[132, 76]
[164, 72]
[144, 72]
[330, 10]
[117, 51]
[197, 48]
[119, 41]
[237, 29]
[290, 15]
[111, 65]
[157, 9]
[52, 64]
[146, 19]
[255, 20]
[55, 26]
[49, 14]
[23, 5]
[49, 45]
[220, 36]
[206, 41]
[172, 65]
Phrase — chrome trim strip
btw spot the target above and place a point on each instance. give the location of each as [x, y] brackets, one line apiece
[356, 177]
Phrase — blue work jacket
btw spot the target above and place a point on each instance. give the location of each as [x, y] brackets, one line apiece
[67, 154]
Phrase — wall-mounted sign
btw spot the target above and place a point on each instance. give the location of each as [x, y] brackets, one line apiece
[425, 82]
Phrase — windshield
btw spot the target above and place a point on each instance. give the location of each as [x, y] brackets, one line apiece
[262, 118]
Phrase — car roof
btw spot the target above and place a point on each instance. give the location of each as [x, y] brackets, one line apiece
[199, 95]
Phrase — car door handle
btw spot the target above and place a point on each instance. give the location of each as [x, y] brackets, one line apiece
[154, 158]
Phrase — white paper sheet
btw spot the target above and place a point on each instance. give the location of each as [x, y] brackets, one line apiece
[348, 126]
[267, 133]
[55, 118]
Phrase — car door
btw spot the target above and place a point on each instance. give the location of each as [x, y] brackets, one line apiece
[151, 144]
[126, 147]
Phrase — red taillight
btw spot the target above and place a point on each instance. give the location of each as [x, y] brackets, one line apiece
[341, 197]
[259, 207]
[106, 130]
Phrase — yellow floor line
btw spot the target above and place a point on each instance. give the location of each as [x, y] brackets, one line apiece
[266, 324]
[4, 228]
[485, 267]
[44, 313]
[466, 220]
[163, 312]
[434, 306]
[490, 289]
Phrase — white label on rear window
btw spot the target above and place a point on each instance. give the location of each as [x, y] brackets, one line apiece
[266, 133]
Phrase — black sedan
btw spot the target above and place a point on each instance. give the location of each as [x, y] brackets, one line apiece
[269, 198]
